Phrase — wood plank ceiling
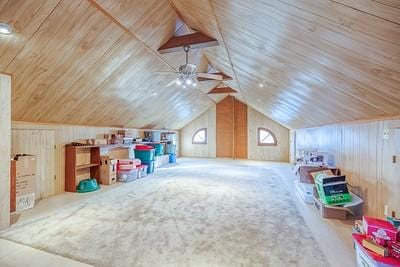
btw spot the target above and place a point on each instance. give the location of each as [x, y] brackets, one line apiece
[91, 61]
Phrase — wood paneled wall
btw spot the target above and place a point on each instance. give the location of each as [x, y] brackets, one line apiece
[244, 133]
[64, 134]
[365, 156]
[5, 146]
[206, 120]
[272, 153]
[40, 143]
[225, 127]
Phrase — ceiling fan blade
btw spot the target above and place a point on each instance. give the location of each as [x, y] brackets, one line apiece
[210, 76]
[165, 73]
[172, 82]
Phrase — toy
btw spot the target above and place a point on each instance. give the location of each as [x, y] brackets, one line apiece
[332, 190]
[378, 249]
[380, 237]
[395, 250]
[373, 225]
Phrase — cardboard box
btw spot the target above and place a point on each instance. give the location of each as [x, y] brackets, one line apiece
[94, 142]
[330, 212]
[100, 141]
[13, 185]
[108, 170]
[369, 244]
[372, 225]
[25, 181]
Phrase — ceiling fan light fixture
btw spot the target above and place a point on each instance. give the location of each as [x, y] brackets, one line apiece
[6, 28]
[188, 81]
[180, 81]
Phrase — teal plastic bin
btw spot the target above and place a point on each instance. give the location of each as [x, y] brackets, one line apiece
[159, 149]
[145, 154]
[150, 166]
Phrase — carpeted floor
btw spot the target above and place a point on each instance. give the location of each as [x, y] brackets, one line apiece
[214, 213]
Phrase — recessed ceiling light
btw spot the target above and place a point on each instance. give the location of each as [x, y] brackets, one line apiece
[194, 110]
[155, 93]
[261, 85]
[6, 28]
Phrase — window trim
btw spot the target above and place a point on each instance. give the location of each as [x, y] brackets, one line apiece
[195, 133]
[259, 129]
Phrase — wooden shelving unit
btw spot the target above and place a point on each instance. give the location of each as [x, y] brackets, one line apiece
[81, 162]
[85, 166]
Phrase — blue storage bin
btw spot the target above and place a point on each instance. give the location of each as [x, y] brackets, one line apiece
[172, 158]
[150, 166]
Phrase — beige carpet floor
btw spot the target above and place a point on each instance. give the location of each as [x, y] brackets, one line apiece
[213, 213]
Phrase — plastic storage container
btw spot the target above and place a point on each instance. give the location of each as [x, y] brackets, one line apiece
[142, 171]
[170, 149]
[127, 176]
[143, 147]
[160, 161]
[159, 149]
[145, 154]
[154, 136]
[305, 191]
[366, 258]
[126, 165]
[150, 166]
[172, 158]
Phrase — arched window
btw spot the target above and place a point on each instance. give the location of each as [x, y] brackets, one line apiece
[266, 137]
[200, 136]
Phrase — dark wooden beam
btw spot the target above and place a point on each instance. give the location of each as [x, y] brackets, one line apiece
[222, 90]
[224, 77]
[194, 40]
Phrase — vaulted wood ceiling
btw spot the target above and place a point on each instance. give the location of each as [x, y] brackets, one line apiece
[91, 61]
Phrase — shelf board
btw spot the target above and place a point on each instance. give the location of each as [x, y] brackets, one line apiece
[85, 146]
[85, 166]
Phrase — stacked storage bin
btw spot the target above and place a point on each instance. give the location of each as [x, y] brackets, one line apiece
[126, 170]
[170, 149]
[142, 171]
[159, 148]
[146, 154]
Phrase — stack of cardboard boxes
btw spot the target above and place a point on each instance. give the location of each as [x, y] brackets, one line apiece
[23, 182]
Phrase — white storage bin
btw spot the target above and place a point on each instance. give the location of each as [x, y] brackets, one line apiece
[142, 171]
[127, 176]
[305, 191]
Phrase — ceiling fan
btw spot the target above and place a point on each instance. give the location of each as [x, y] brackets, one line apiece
[187, 74]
